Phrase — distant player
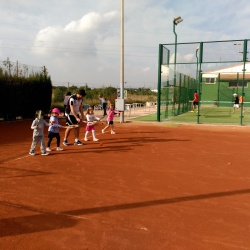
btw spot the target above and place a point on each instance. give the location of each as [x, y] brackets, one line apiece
[241, 100]
[196, 100]
[236, 102]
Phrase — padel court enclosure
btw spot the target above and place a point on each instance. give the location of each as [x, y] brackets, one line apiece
[216, 70]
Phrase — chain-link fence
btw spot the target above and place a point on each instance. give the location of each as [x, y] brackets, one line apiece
[217, 70]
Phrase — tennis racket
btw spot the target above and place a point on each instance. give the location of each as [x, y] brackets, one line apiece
[95, 122]
[71, 126]
[92, 123]
[39, 114]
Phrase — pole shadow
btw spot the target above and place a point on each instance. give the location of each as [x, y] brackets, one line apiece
[49, 220]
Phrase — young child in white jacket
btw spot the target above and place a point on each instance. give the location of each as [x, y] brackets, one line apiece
[38, 133]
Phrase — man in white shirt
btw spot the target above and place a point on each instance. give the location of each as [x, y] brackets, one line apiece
[72, 111]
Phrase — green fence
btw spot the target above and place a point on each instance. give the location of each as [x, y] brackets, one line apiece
[216, 69]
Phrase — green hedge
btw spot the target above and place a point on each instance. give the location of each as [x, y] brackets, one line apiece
[23, 96]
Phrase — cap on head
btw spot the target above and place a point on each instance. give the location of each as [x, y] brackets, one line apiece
[56, 110]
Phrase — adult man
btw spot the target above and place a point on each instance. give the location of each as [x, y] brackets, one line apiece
[103, 103]
[72, 111]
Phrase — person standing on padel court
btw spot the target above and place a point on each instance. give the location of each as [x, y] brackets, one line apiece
[195, 101]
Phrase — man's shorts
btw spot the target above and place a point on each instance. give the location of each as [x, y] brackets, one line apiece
[71, 120]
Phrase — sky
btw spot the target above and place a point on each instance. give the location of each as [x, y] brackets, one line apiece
[78, 41]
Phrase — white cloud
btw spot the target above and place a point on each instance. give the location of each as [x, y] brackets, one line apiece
[77, 37]
[79, 41]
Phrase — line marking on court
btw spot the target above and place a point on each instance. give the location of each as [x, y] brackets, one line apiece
[16, 159]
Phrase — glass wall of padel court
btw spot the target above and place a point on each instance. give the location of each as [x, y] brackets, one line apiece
[220, 73]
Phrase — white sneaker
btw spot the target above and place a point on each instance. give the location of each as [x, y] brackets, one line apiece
[85, 139]
[112, 132]
[103, 131]
[44, 153]
[59, 149]
[95, 139]
[48, 149]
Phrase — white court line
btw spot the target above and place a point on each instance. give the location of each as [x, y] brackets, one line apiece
[19, 158]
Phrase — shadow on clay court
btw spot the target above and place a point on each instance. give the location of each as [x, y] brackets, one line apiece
[149, 132]
[35, 223]
[116, 145]
[48, 220]
[18, 172]
[155, 202]
[137, 140]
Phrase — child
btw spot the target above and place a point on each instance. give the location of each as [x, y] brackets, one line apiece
[38, 127]
[90, 125]
[54, 130]
[110, 119]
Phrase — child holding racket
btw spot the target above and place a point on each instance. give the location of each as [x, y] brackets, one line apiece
[54, 129]
[110, 119]
[91, 120]
[38, 135]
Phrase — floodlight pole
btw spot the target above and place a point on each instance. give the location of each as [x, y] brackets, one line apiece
[243, 77]
[175, 22]
[199, 79]
[122, 60]
[197, 62]
[175, 51]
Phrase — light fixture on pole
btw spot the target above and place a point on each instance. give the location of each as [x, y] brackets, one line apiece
[175, 22]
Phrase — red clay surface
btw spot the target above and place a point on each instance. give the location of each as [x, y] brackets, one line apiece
[150, 186]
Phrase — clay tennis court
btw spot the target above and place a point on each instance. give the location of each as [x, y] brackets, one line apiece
[151, 186]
